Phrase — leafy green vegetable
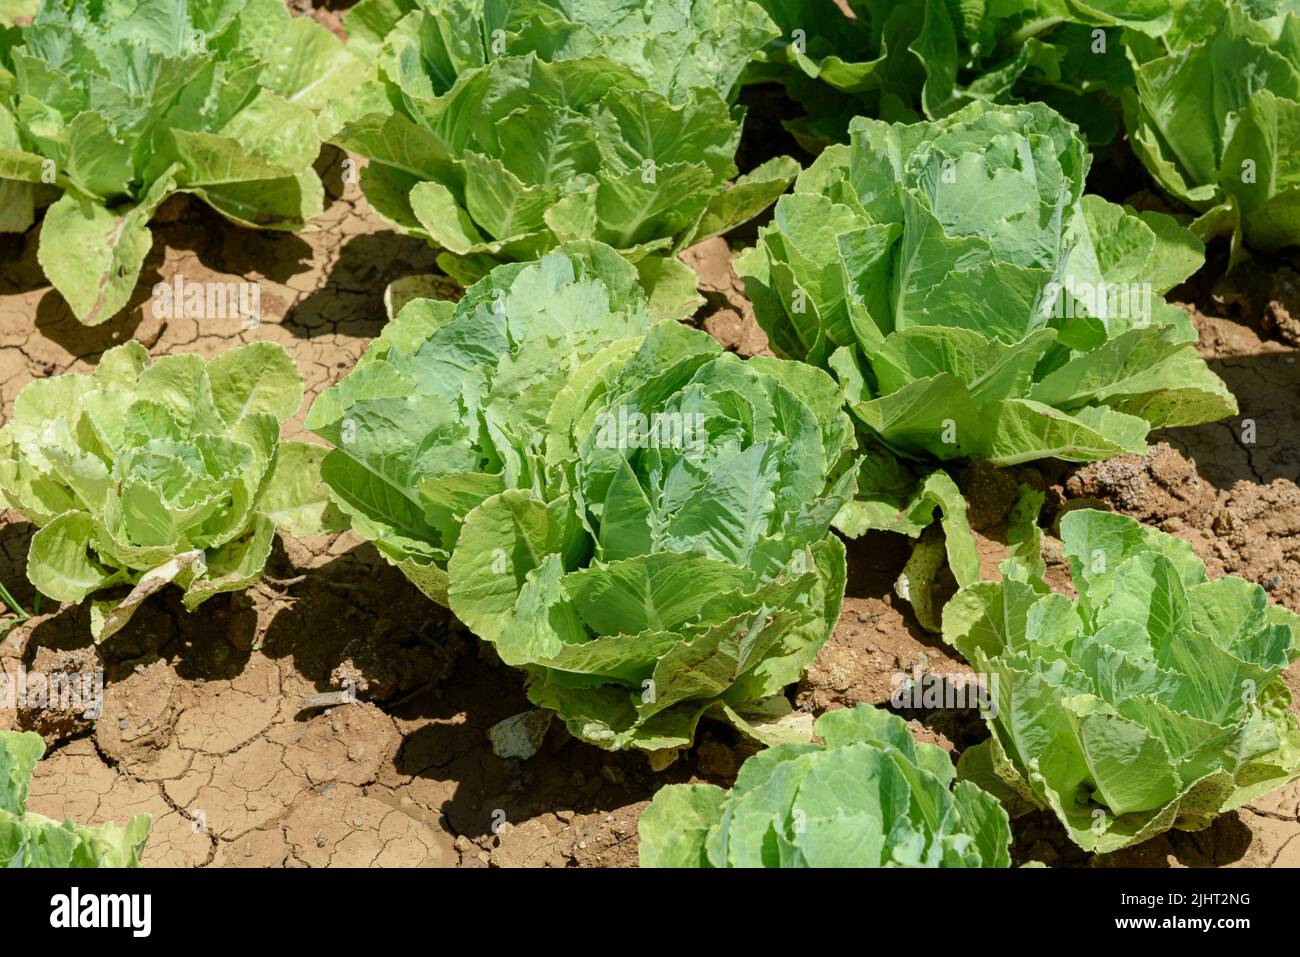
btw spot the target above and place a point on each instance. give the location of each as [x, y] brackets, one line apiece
[28, 839]
[106, 109]
[1213, 115]
[146, 473]
[929, 58]
[976, 304]
[638, 519]
[674, 45]
[1154, 701]
[504, 130]
[449, 406]
[869, 797]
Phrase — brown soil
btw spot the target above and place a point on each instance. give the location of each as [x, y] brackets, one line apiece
[204, 724]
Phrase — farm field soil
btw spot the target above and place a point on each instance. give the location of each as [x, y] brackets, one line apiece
[208, 721]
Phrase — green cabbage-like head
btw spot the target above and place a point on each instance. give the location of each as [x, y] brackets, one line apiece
[1212, 116]
[107, 109]
[869, 796]
[145, 473]
[501, 131]
[973, 301]
[1152, 701]
[638, 519]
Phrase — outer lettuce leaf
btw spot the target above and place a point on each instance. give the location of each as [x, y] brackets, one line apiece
[1154, 701]
[118, 106]
[28, 839]
[143, 474]
[868, 797]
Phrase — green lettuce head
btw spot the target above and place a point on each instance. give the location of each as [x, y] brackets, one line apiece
[676, 45]
[636, 518]
[106, 109]
[1153, 701]
[974, 303]
[28, 839]
[450, 405]
[929, 58]
[503, 131]
[869, 796]
[145, 473]
[1213, 116]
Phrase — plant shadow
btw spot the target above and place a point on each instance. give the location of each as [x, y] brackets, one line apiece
[1262, 442]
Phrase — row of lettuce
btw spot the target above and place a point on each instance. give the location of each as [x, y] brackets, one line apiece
[498, 131]
[640, 521]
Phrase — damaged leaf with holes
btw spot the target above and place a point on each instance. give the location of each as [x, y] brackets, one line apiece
[146, 473]
[1155, 700]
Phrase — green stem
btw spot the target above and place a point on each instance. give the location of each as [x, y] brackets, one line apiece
[1034, 28]
[16, 608]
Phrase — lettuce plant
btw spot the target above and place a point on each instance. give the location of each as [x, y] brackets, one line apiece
[28, 839]
[1152, 701]
[449, 405]
[145, 473]
[502, 131]
[636, 518]
[976, 304]
[676, 45]
[106, 109]
[1213, 113]
[906, 61]
[869, 796]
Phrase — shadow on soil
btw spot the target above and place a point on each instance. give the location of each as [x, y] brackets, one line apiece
[1040, 836]
[358, 616]
[1262, 442]
[352, 298]
[21, 274]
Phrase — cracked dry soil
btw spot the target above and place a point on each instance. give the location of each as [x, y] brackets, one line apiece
[202, 724]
